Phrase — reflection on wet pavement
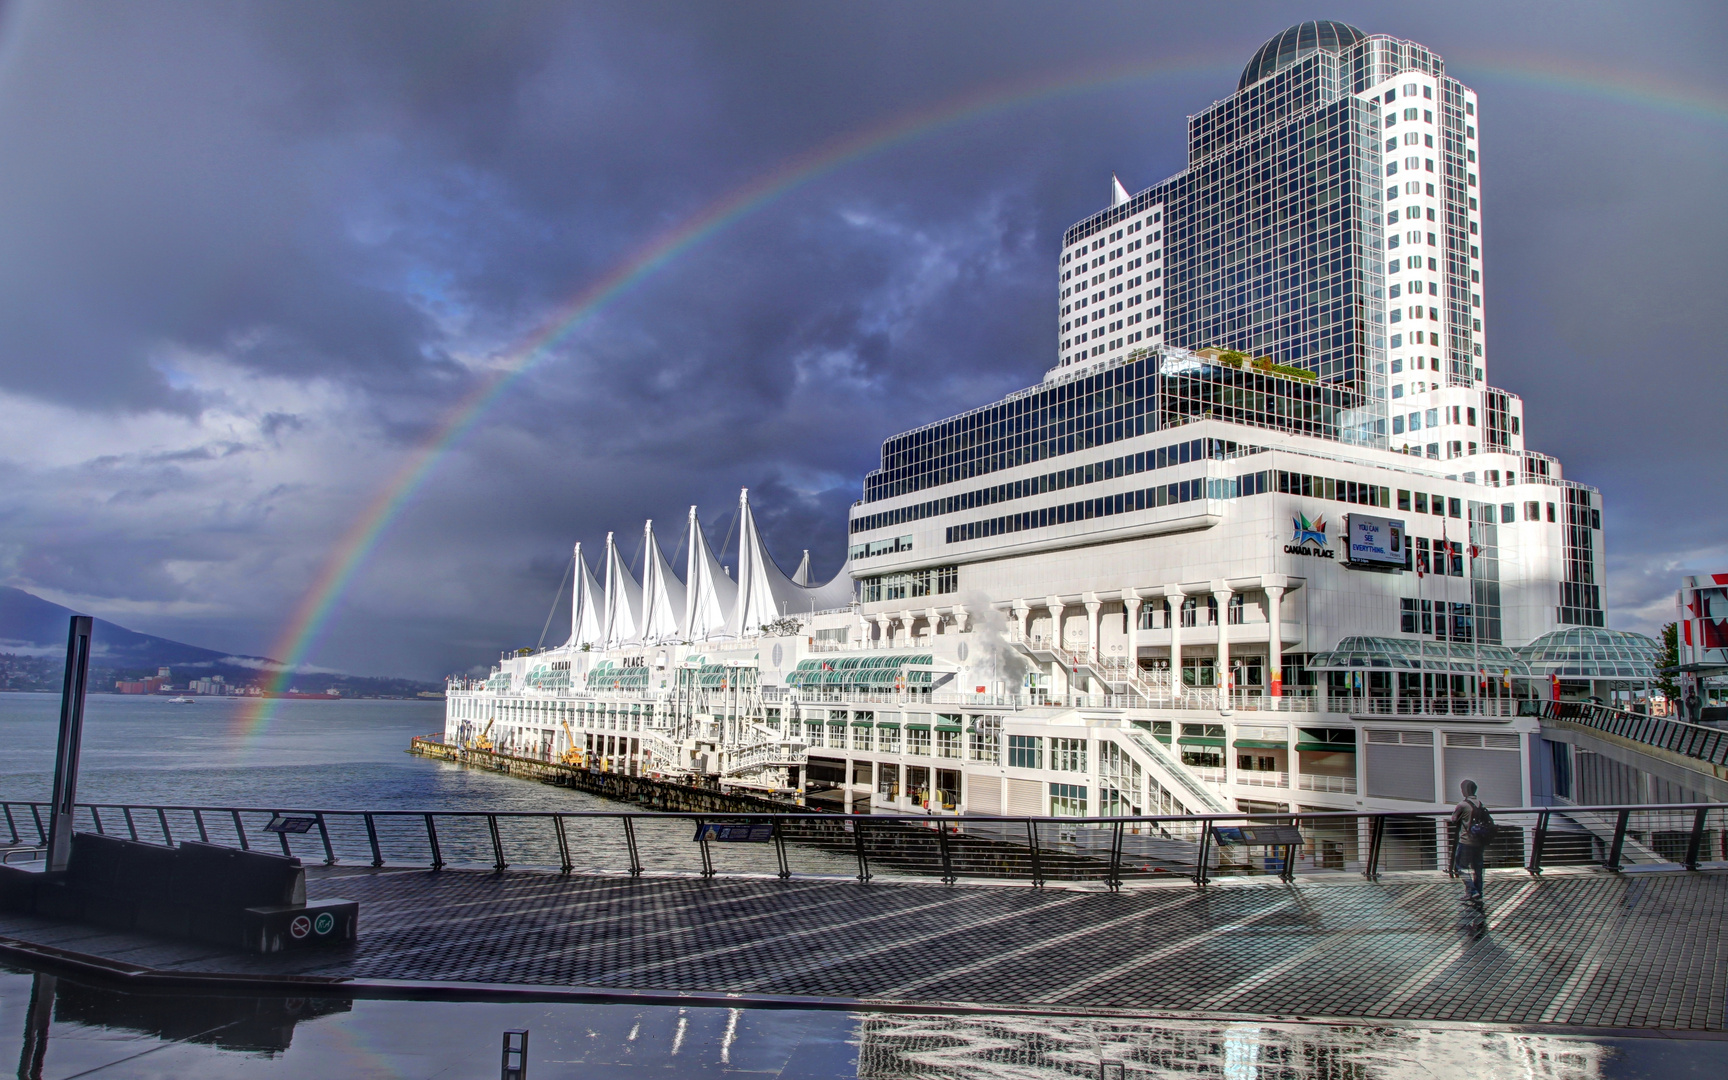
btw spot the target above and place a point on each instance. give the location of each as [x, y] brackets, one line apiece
[66, 1029]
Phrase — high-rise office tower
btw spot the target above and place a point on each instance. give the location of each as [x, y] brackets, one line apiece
[1328, 220]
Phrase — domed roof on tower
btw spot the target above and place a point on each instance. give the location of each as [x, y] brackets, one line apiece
[1295, 43]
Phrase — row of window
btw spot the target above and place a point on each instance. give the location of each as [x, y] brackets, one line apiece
[1050, 420]
[1454, 448]
[1330, 490]
[1420, 501]
[906, 584]
[1442, 557]
[1108, 469]
[1126, 502]
[1454, 622]
[1066, 755]
[1416, 364]
[874, 548]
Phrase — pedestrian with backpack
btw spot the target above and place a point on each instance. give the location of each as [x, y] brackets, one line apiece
[1474, 826]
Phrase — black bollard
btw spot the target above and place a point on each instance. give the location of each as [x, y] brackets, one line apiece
[71, 742]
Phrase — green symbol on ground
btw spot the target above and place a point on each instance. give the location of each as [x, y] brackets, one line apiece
[324, 923]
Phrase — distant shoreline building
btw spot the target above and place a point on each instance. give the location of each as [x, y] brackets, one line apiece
[1263, 538]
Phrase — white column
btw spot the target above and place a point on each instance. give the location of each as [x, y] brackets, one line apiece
[1274, 628]
[1131, 603]
[883, 623]
[1055, 606]
[906, 618]
[1221, 593]
[1093, 607]
[1173, 595]
[1022, 612]
[961, 618]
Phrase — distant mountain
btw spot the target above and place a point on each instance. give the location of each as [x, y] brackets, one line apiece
[31, 624]
[33, 651]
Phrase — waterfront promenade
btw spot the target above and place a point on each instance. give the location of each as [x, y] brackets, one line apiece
[1573, 948]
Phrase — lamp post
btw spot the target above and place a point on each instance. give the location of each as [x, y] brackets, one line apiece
[71, 742]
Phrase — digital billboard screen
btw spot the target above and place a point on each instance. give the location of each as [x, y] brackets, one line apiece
[1376, 541]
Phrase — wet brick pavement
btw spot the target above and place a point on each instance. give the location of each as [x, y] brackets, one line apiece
[1581, 948]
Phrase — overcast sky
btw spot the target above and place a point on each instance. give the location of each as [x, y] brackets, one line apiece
[251, 257]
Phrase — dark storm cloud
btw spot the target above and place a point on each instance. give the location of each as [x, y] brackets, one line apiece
[253, 253]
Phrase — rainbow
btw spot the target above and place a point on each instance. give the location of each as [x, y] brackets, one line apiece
[304, 627]
[1578, 79]
[303, 630]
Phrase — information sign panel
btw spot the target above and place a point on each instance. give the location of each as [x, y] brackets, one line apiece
[756, 832]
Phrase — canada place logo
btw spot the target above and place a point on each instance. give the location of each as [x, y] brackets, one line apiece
[1306, 532]
[1308, 537]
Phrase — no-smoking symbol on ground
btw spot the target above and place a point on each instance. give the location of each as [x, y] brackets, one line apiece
[300, 927]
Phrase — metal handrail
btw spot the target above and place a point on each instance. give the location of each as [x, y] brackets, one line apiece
[1687, 739]
[978, 847]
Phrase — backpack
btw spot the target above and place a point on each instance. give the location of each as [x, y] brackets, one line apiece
[1479, 827]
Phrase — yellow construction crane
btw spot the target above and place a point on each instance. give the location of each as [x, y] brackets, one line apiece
[571, 756]
[482, 741]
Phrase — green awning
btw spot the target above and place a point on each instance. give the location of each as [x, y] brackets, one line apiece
[1259, 744]
[949, 727]
[917, 727]
[862, 723]
[1326, 747]
[1202, 740]
[888, 723]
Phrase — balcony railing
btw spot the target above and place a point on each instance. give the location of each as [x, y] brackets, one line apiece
[1370, 705]
[1340, 785]
[1290, 702]
[1256, 778]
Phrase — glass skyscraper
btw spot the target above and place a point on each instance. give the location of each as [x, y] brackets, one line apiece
[1327, 221]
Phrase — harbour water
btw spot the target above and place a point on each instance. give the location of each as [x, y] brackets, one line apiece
[327, 754]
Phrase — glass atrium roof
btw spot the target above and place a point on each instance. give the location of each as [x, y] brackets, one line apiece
[609, 676]
[876, 671]
[1299, 41]
[1361, 652]
[1588, 652]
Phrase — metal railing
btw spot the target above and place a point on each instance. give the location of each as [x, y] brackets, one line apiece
[1374, 705]
[1345, 785]
[1690, 740]
[1256, 778]
[1108, 850]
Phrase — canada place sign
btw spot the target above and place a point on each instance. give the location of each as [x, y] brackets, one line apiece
[1308, 538]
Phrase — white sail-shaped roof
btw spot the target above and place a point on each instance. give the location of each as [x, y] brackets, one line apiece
[586, 607]
[801, 576]
[663, 602]
[622, 622]
[710, 595]
[839, 591]
[765, 593]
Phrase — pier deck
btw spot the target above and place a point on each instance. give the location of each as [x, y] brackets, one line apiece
[1580, 948]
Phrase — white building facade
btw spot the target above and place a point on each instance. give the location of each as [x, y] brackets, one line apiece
[1262, 539]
